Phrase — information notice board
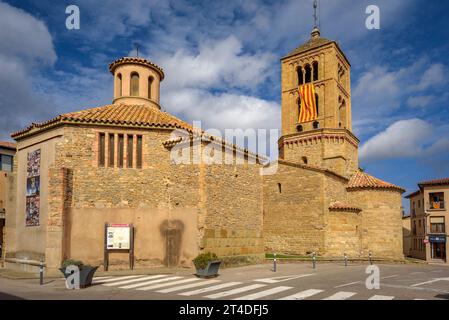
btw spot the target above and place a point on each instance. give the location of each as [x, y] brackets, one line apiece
[118, 237]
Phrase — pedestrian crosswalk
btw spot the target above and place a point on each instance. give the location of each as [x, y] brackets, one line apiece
[190, 286]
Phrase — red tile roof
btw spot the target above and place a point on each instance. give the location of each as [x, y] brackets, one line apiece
[413, 194]
[442, 181]
[362, 180]
[136, 60]
[8, 145]
[115, 114]
[340, 206]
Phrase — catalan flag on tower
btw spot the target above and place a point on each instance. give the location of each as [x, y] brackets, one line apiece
[308, 110]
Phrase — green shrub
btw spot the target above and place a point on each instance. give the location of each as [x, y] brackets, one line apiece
[203, 259]
[71, 262]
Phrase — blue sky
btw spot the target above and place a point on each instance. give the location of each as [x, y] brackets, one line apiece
[222, 67]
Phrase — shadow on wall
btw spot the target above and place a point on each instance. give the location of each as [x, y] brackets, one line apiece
[172, 232]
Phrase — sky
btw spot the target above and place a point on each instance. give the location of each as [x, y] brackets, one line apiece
[221, 60]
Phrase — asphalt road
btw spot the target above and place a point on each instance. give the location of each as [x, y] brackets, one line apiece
[296, 281]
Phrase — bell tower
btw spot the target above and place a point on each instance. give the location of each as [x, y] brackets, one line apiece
[325, 140]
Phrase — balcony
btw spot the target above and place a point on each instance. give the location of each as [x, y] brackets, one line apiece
[436, 205]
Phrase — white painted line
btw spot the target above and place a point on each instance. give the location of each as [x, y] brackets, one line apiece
[99, 278]
[347, 284]
[342, 295]
[208, 289]
[302, 295]
[388, 277]
[262, 294]
[116, 279]
[111, 284]
[378, 297]
[431, 281]
[235, 291]
[141, 284]
[281, 279]
[188, 286]
[419, 299]
[167, 284]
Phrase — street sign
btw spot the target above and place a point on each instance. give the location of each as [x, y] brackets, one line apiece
[437, 238]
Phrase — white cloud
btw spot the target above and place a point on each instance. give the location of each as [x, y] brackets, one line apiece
[420, 101]
[220, 65]
[24, 37]
[404, 138]
[222, 111]
[26, 46]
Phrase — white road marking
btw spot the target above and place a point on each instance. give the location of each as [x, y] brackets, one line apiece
[302, 295]
[141, 284]
[342, 295]
[262, 294]
[347, 284]
[378, 297]
[115, 279]
[188, 286]
[388, 277]
[167, 284]
[235, 291]
[208, 289]
[430, 281]
[281, 279]
[99, 278]
[119, 283]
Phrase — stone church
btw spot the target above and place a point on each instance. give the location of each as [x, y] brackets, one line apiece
[79, 171]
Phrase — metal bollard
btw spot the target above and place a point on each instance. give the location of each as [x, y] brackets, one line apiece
[41, 273]
[314, 260]
[346, 260]
[274, 263]
[370, 258]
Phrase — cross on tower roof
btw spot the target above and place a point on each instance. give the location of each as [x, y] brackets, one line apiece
[315, 16]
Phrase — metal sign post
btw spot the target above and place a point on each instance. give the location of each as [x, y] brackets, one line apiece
[314, 260]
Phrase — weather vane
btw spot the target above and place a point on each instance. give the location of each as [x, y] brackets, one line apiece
[315, 16]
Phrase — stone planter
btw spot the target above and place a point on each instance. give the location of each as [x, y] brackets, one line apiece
[210, 271]
[86, 275]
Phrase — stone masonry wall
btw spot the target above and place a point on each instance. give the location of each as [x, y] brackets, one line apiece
[293, 211]
[381, 222]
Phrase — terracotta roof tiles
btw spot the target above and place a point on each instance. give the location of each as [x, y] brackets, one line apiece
[115, 114]
[362, 180]
[8, 145]
[340, 206]
[442, 181]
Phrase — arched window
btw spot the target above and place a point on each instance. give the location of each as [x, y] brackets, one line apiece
[317, 104]
[315, 71]
[135, 84]
[308, 73]
[298, 101]
[299, 128]
[119, 85]
[150, 84]
[304, 160]
[316, 125]
[300, 76]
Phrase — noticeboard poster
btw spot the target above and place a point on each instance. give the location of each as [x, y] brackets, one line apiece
[33, 188]
[118, 236]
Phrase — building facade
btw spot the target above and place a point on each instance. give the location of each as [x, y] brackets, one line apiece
[429, 216]
[124, 164]
[7, 152]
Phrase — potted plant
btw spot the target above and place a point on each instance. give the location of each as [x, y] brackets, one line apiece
[86, 271]
[207, 265]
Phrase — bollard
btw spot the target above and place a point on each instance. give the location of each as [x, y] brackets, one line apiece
[370, 258]
[314, 260]
[41, 273]
[274, 263]
[346, 260]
